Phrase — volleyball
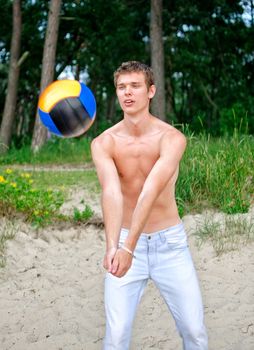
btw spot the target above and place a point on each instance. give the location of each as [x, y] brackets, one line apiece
[67, 108]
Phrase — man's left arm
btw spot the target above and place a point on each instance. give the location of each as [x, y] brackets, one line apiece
[172, 148]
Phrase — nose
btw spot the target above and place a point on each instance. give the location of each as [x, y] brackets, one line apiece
[127, 90]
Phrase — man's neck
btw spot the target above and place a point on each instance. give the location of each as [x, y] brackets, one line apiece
[138, 125]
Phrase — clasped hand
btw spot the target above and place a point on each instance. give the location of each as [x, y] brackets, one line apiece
[117, 261]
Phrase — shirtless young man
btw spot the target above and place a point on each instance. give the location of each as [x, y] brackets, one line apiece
[137, 162]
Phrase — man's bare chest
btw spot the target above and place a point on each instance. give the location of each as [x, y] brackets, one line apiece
[135, 158]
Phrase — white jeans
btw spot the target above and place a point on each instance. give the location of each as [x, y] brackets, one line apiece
[164, 257]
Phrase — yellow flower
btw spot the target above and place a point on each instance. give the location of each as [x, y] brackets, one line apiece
[13, 184]
[2, 179]
[31, 181]
[25, 175]
[36, 212]
[8, 171]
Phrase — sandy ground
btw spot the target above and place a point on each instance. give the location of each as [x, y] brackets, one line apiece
[51, 293]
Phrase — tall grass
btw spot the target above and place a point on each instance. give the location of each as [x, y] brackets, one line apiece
[217, 173]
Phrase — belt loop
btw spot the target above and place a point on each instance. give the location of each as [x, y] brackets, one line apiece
[163, 236]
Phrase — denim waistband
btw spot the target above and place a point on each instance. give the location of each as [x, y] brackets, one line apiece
[172, 231]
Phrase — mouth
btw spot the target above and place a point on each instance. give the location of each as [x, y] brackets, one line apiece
[128, 102]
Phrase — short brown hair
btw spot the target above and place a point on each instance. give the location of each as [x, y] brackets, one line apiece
[135, 66]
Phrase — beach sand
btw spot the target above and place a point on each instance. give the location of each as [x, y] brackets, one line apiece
[51, 293]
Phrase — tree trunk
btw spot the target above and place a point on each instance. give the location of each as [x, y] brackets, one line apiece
[13, 77]
[157, 58]
[48, 66]
[111, 107]
[169, 92]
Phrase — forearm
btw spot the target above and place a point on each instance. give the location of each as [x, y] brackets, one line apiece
[112, 207]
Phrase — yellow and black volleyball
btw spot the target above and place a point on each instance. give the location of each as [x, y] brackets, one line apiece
[67, 108]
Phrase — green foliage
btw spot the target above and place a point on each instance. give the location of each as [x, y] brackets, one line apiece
[83, 215]
[206, 45]
[217, 173]
[235, 118]
[208, 58]
[17, 194]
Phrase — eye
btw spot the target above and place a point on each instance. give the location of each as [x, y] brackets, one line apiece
[135, 86]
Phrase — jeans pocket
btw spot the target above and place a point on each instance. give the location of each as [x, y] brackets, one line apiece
[177, 245]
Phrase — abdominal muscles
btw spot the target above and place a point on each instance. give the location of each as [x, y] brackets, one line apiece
[163, 214]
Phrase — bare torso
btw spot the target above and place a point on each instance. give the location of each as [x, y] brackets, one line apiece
[134, 157]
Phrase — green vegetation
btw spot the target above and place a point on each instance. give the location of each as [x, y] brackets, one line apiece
[66, 179]
[8, 230]
[208, 55]
[56, 151]
[38, 196]
[18, 195]
[226, 233]
[217, 173]
[85, 214]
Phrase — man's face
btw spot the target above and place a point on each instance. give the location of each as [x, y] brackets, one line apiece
[133, 93]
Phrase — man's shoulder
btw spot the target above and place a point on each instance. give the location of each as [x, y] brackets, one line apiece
[102, 142]
[174, 134]
[171, 138]
[170, 133]
[105, 141]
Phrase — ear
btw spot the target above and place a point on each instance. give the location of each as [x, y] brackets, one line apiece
[151, 91]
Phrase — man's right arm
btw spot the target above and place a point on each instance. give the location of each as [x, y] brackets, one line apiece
[112, 200]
